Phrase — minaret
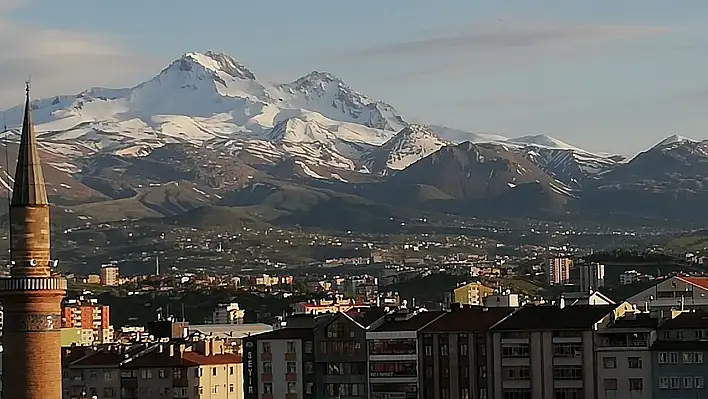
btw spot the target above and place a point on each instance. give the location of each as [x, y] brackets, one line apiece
[31, 296]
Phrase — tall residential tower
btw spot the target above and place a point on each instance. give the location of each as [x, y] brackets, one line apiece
[31, 296]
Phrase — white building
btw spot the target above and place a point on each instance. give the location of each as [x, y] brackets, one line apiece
[228, 313]
[674, 292]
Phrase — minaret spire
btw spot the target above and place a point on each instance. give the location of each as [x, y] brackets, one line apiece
[29, 188]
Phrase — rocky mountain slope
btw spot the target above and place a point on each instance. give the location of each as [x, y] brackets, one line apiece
[206, 132]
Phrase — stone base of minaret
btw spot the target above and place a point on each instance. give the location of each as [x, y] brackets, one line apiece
[32, 337]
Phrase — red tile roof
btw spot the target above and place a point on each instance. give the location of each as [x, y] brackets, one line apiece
[700, 282]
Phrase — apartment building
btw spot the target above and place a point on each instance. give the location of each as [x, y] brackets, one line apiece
[679, 357]
[110, 275]
[393, 354]
[184, 370]
[469, 294]
[454, 357]
[558, 270]
[673, 292]
[340, 353]
[623, 357]
[90, 317]
[228, 313]
[280, 364]
[543, 352]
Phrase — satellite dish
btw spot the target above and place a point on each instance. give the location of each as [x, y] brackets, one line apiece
[33, 262]
[55, 263]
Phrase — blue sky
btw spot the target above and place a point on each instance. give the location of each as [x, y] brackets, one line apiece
[603, 75]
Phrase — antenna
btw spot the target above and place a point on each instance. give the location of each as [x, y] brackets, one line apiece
[7, 190]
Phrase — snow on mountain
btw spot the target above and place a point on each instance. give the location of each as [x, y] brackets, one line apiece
[673, 141]
[542, 140]
[331, 97]
[405, 148]
[457, 136]
[211, 98]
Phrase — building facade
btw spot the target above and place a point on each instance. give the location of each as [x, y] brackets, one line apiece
[110, 275]
[678, 356]
[393, 354]
[545, 352]
[558, 270]
[454, 354]
[32, 295]
[91, 318]
[623, 357]
[178, 370]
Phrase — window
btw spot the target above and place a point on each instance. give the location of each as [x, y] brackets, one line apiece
[443, 350]
[291, 367]
[673, 357]
[109, 392]
[339, 330]
[109, 376]
[465, 393]
[699, 383]
[266, 347]
[162, 373]
[568, 349]
[568, 393]
[267, 368]
[609, 362]
[308, 346]
[679, 335]
[268, 388]
[610, 384]
[663, 382]
[428, 350]
[308, 387]
[516, 393]
[688, 357]
[636, 384]
[463, 350]
[231, 370]
[663, 357]
[698, 357]
[516, 373]
[215, 389]
[515, 350]
[688, 382]
[675, 383]
[146, 374]
[292, 387]
[213, 371]
[567, 372]
[231, 387]
[93, 374]
[290, 347]
[445, 393]
[309, 368]
[635, 362]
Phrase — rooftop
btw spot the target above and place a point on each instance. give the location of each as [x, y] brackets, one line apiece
[687, 320]
[475, 318]
[554, 317]
[366, 316]
[408, 322]
[284, 333]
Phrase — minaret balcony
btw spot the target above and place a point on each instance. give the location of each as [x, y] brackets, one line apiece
[33, 284]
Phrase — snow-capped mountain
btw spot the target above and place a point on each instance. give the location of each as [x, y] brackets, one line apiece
[571, 166]
[674, 141]
[210, 99]
[405, 148]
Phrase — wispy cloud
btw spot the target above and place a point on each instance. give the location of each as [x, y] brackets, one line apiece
[496, 46]
[61, 61]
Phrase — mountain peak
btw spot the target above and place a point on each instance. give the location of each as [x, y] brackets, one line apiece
[674, 139]
[317, 79]
[213, 62]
